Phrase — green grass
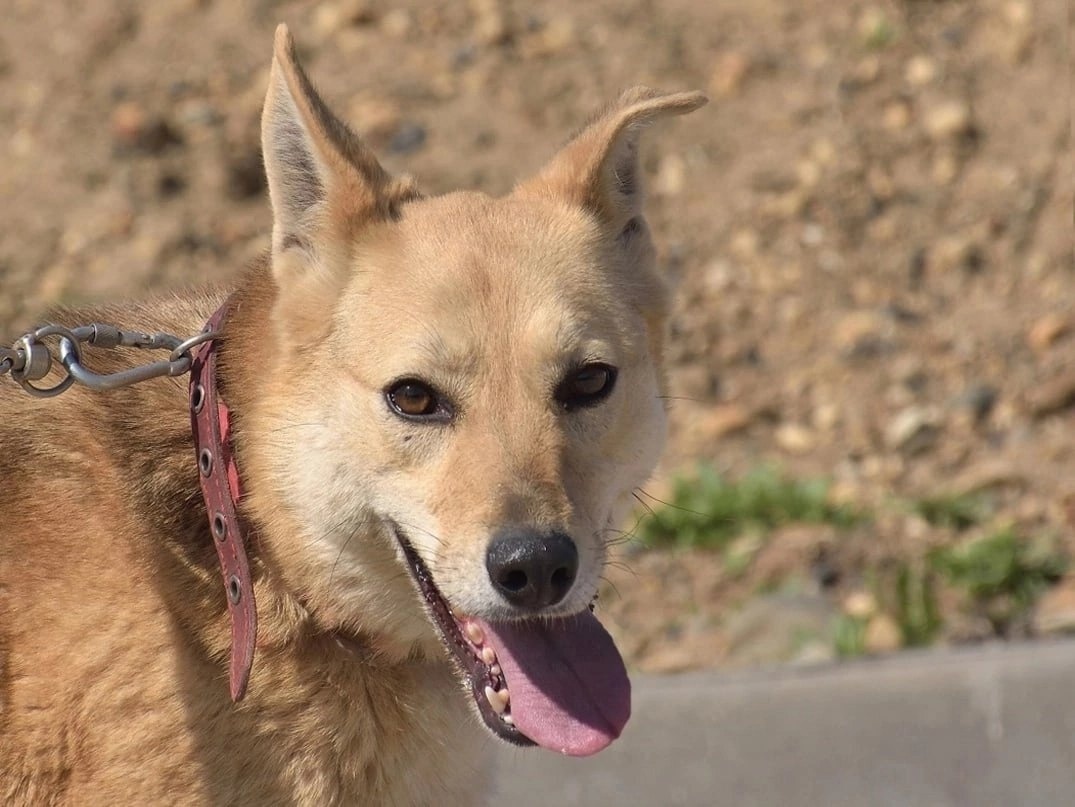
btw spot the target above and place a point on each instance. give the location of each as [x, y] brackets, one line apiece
[953, 511]
[1002, 574]
[707, 510]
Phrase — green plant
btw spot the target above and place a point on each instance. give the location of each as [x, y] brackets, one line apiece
[916, 606]
[707, 510]
[850, 636]
[954, 511]
[1002, 573]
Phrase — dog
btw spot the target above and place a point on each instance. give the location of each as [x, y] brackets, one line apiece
[437, 410]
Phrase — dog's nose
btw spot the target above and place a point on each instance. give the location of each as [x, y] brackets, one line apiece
[530, 568]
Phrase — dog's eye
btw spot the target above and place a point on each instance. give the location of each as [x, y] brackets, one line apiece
[586, 386]
[412, 398]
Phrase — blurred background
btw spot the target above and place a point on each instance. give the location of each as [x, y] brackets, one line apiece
[870, 232]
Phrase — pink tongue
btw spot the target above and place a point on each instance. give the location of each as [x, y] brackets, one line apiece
[569, 688]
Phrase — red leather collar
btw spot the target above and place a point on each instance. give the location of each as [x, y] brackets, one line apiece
[210, 423]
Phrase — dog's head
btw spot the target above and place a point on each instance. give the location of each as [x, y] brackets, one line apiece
[473, 390]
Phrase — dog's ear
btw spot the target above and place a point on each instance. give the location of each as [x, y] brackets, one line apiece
[324, 182]
[599, 167]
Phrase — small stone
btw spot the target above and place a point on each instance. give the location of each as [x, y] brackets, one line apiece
[375, 117]
[920, 70]
[808, 172]
[948, 120]
[825, 416]
[723, 421]
[490, 22]
[883, 635]
[330, 18]
[728, 74]
[553, 38]
[860, 605]
[955, 252]
[1048, 330]
[1054, 395]
[396, 23]
[671, 176]
[896, 115]
[795, 438]
[914, 430]
[745, 243]
[945, 168]
[1055, 612]
[134, 130]
[979, 399]
[409, 137]
[858, 330]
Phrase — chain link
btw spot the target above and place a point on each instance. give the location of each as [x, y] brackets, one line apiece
[30, 358]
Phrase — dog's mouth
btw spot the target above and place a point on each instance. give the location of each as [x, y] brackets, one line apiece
[556, 683]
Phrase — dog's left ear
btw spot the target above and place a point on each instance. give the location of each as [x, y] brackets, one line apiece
[599, 168]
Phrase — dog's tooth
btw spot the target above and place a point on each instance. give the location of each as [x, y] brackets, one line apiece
[488, 655]
[508, 719]
[493, 697]
[504, 697]
[495, 669]
[475, 633]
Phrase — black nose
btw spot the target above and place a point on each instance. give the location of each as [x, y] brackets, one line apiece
[531, 568]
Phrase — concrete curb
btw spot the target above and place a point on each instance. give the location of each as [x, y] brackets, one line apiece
[978, 727]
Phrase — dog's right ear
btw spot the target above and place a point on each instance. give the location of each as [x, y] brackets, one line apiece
[324, 182]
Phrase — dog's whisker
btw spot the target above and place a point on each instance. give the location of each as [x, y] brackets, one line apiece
[668, 504]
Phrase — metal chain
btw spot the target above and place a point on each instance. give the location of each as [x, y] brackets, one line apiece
[30, 359]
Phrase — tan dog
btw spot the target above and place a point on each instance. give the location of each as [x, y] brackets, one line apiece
[439, 407]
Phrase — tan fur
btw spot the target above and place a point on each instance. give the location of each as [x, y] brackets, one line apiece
[113, 627]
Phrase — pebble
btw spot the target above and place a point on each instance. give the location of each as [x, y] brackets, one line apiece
[945, 168]
[135, 130]
[724, 420]
[955, 252]
[914, 430]
[728, 74]
[1053, 395]
[1055, 611]
[375, 117]
[979, 399]
[860, 605]
[329, 18]
[490, 22]
[795, 438]
[947, 120]
[920, 71]
[883, 635]
[858, 331]
[671, 176]
[896, 115]
[1048, 330]
[409, 137]
[556, 36]
[397, 23]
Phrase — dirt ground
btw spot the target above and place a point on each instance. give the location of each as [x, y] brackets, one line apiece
[870, 227]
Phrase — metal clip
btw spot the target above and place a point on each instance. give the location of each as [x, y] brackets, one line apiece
[30, 360]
